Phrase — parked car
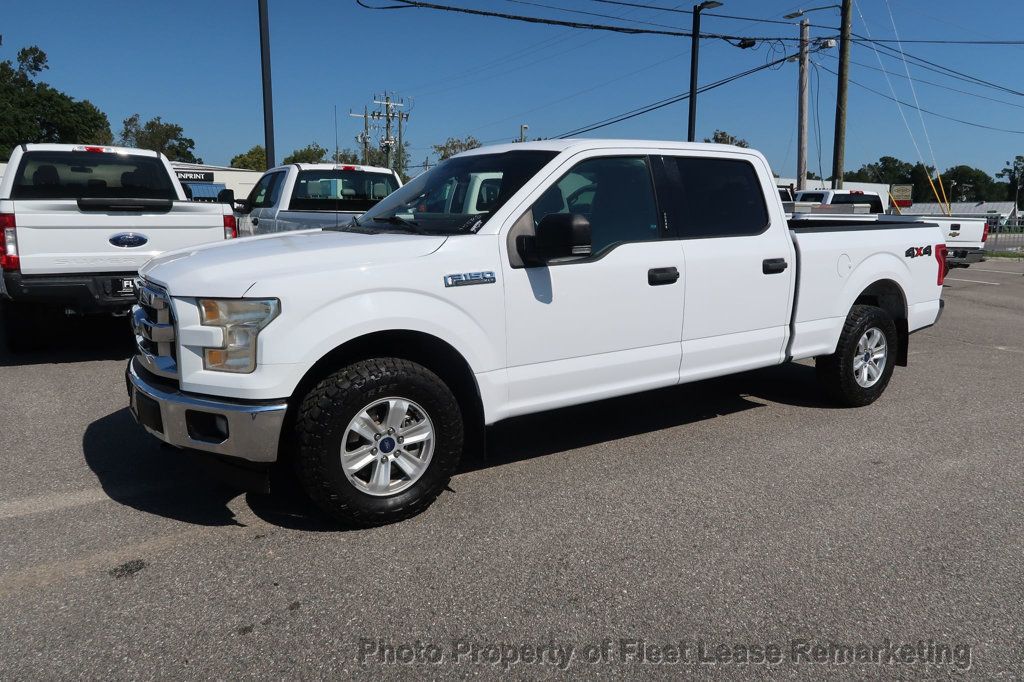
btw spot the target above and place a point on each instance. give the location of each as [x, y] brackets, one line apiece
[302, 196]
[371, 355]
[79, 220]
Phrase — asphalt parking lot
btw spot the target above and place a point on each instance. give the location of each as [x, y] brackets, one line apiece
[743, 512]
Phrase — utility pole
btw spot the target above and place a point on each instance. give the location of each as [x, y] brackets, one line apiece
[839, 147]
[691, 133]
[522, 132]
[389, 115]
[268, 95]
[801, 126]
[364, 138]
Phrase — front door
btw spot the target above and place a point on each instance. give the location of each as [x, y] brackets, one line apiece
[604, 324]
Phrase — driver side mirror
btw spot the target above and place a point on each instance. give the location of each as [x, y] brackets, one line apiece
[242, 206]
[226, 196]
[559, 235]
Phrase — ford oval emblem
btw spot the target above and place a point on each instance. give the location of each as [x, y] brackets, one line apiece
[128, 240]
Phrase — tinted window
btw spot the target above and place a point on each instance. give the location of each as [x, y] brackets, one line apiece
[340, 190]
[615, 194]
[813, 197]
[871, 200]
[458, 195]
[266, 190]
[716, 197]
[74, 175]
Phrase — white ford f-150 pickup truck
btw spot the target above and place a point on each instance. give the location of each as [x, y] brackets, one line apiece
[77, 222]
[372, 355]
[301, 196]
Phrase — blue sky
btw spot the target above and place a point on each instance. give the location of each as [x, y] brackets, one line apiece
[197, 64]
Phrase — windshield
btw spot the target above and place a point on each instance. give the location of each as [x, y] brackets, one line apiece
[340, 190]
[74, 175]
[459, 195]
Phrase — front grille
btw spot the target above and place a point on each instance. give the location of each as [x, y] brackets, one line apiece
[153, 322]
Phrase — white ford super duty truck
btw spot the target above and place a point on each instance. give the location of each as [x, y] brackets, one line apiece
[301, 196]
[77, 222]
[372, 356]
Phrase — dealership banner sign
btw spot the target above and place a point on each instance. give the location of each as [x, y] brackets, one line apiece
[194, 176]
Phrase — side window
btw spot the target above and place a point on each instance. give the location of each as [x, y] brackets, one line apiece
[615, 194]
[716, 197]
[266, 191]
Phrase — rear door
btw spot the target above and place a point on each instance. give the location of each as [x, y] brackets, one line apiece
[740, 263]
[98, 211]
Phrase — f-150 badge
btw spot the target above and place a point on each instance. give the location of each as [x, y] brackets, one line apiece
[467, 278]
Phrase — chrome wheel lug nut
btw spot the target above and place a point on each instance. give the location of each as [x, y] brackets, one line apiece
[373, 451]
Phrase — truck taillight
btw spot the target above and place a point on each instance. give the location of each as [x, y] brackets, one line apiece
[8, 243]
[230, 227]
[984, 235]
[940, 257]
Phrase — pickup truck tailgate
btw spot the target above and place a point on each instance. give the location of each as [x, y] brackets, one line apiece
[57, 236]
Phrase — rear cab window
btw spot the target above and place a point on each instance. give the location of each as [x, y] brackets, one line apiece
[714, 197]
[340, 190]
[100, 175]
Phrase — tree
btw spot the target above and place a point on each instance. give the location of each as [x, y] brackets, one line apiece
[454, 145]
[32, 111]
[345, 156]
[311, 153]
[254, 159]
[1014, 174]
[964, 183]
[166, 138]
[887, 170]
[722, 137]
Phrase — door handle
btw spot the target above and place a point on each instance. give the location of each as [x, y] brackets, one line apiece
[773, 266]
[659, 276]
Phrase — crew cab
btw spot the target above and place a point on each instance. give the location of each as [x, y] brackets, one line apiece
[77, 223]
[372, 355]
[300, 196]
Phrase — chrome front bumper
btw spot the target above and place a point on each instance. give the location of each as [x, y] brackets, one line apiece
[248, 431]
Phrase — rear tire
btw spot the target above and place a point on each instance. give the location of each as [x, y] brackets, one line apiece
[20, 329]
[860, 369]
[378, 441]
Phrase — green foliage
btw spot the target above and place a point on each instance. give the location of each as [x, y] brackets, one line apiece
[254, 159]
[345, 156]
[1014, 174]
[311, 153]
[167, 138]
[454, 145]
[32, 111]
[722, 137]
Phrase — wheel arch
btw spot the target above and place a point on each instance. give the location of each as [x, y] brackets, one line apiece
[425, 349]
[888, 295]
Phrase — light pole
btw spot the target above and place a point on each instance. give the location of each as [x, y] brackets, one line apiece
[522, 132]
[801, 150]
[268, 96]
[694, 54]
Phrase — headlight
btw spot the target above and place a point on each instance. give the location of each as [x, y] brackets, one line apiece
[241, 319]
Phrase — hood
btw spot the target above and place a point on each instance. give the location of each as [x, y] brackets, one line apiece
[230, 268]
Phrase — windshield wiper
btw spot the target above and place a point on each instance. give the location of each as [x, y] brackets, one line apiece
[412, 225]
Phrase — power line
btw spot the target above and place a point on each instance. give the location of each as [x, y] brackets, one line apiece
[629, 30]
[922, 81]
[927, 111]
[758, 20]
[646, 109]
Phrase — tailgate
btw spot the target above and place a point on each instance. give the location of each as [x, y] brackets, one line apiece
[58, 236]
[964, 234]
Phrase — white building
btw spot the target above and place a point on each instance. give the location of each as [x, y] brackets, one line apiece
[997, 212]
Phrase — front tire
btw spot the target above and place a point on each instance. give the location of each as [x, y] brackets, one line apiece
[378, 441]
[860, 369]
